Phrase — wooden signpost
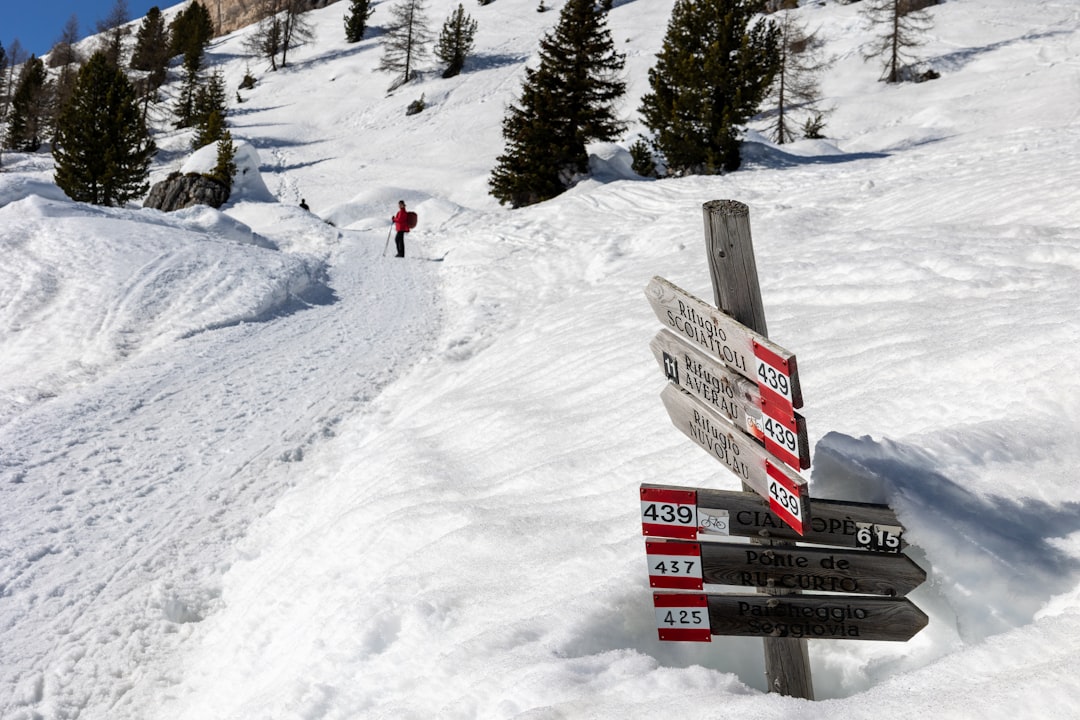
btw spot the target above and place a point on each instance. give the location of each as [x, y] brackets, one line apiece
[734, 393]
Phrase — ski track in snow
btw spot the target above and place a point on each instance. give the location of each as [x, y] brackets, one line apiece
[114, 470]
[420, 500]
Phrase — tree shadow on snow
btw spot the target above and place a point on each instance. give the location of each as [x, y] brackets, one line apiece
[772, 158]
[993, 559]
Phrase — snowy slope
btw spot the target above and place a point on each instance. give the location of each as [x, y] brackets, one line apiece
[251, 468]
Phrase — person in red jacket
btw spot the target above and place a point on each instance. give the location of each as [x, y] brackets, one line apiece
[401, 224]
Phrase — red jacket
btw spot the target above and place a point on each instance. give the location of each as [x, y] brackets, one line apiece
[401, 221]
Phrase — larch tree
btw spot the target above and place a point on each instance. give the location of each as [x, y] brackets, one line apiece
[796, 91]
[567, 101]
[112, 31]
[102, 148]
[716, 66]
[901, 25]
[456, 41]
[405, 43]
[282, 26]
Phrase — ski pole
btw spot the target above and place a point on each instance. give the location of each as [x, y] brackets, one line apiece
[388, 234]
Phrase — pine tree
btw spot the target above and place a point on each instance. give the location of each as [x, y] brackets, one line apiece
[29, 119]
[209, 111]
[565, 103]
[152, 44]
[456, 41]
[102, 147]
[796, 88]
[901, 23]
[711, 75]
[406, 39]
[225, 168]
[356, 20]
[190, 33]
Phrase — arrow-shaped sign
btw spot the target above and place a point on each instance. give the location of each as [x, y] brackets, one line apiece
[782, 487]
[731, 395]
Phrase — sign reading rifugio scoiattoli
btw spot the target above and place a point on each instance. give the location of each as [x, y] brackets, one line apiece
[748, 353]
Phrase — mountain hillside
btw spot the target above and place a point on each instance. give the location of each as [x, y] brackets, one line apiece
[252, 467]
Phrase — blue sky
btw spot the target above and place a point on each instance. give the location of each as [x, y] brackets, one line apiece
[38, 23]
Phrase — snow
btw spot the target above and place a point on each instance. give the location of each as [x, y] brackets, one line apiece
[250, 467]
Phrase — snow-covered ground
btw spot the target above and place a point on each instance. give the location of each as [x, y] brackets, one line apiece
[252, 468]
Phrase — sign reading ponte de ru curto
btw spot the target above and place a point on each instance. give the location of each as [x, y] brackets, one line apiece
[678, 564]
[748, 353]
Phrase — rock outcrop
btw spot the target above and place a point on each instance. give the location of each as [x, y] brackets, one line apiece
[180, 191]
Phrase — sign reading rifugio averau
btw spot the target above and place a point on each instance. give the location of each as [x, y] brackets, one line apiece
[729, 394]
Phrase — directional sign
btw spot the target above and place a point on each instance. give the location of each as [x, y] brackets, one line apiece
[707, 512]
[674, 565]
[731, 395]
[807, 569]
[810, 617]
[783, 488]
[750, 354]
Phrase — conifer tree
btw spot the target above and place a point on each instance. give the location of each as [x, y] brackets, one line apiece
[265, 42]
[796, 90]
[406, 39]
[456, 41]
[191, 32]
[282, 26]
[208, 117]
[225, 168]
[356, 20]
[901, 24]
[295, 27]
[566, 102]
[713, 71]
[152, 44]
[102, 148]
[29, 118]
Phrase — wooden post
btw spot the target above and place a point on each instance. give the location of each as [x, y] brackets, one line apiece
[737, 292]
